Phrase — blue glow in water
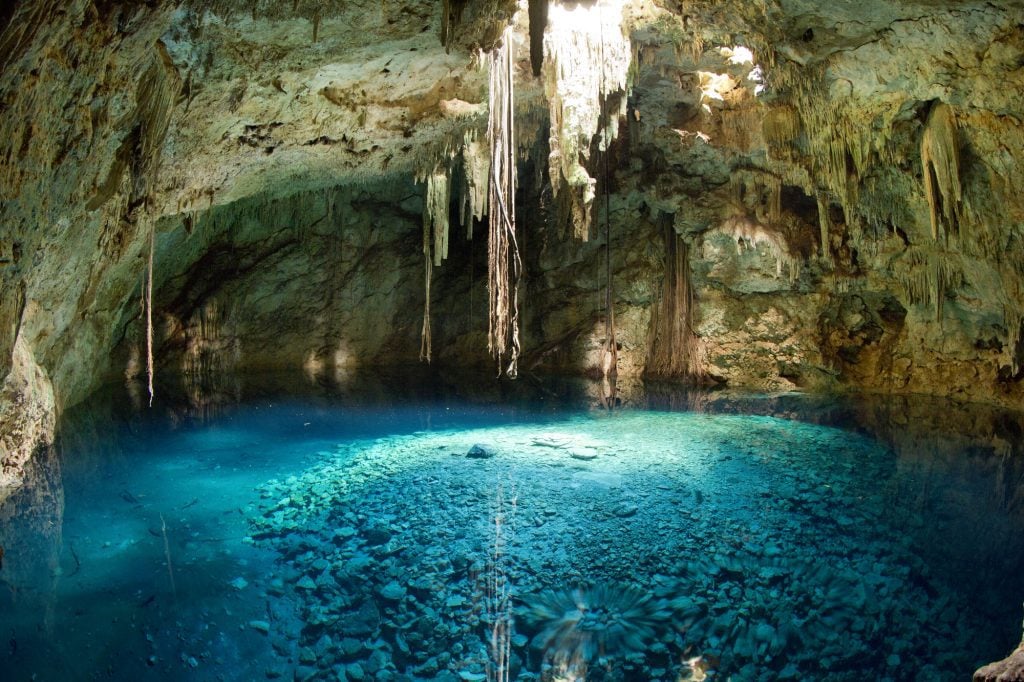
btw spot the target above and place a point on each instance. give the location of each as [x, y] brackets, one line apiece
[346, 535]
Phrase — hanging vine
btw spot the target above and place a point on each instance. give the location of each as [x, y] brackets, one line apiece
[504, 266]
[611, 358]
[674, 347]
[149, 312]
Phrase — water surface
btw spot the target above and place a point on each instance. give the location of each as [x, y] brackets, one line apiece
[341, 531]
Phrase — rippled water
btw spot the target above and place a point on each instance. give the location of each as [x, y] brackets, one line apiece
[408, 529]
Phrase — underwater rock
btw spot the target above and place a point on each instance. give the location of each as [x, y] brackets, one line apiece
[362, 622]
[260, 626]
[480, 452]
[626, 510]
[585, 454]
[393, 591]
[377, 535]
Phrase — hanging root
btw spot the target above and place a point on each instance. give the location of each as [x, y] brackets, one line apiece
[504, 266]
[435, 245]
[673, 349]
[149, 313]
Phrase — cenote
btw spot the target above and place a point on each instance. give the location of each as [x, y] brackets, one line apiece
[512, 340]
[415, 528]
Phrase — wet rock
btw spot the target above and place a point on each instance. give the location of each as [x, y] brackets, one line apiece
[585, 454]
[377, 535]
[625, 510]
[377, 661]
[305, 672]
[480, 452]
[349, 647]
[393, 591]
[259, 626]
[341, 535]
[362, 622]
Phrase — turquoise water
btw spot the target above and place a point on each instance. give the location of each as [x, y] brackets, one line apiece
[344, 532]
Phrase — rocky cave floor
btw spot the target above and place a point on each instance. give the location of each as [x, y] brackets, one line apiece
[649, 546]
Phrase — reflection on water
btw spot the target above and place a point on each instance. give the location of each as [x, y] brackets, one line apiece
[31, 526]
[257, 528]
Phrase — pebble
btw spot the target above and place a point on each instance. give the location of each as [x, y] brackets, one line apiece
[260, 626]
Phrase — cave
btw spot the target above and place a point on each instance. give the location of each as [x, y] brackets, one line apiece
[511, 340]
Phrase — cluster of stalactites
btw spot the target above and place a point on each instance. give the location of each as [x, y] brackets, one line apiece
[841, 147]
[940, 161]
[749, 233]
[756, 217]
[925, 274]
[435, 216]
[586, 76]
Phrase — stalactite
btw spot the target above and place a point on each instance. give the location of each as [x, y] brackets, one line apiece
[504, 266]
[538, 11]
[824, 226]
[149, 312]
[451, 15]
[158, 91]
[1013, 319]
[940, 161]
[740, 125]
[841, 146]
[780, 127]
[586, 76]
[750, 234]
[435, 214]
[476, 165]
[674, 347]
[926, 274]
[773, 185]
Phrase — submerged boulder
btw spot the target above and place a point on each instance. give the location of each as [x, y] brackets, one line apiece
[480, 452]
